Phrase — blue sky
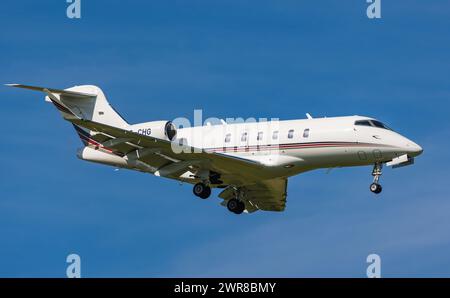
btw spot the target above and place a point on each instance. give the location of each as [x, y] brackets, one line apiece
[158, 60]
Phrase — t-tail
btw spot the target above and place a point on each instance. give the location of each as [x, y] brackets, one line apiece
[81, 102]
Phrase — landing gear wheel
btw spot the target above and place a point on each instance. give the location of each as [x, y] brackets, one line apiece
[375, 188]
[236, 206]
[201, 190]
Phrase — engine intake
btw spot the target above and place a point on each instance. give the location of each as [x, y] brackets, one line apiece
[170, 130]
[158, 129]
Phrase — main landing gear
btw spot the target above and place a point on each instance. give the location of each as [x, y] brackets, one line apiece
[375, 187]
[236, 206]
[202, 190]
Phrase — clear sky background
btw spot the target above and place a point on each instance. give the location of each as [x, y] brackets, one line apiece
[158, 60]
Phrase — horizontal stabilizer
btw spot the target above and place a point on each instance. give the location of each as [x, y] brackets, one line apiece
[56, 91]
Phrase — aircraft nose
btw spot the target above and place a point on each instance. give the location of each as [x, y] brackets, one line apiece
[413, 149]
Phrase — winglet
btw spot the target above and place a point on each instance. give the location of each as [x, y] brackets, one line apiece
[308, 116]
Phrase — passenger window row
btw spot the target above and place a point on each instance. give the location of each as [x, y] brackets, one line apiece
[260, 135]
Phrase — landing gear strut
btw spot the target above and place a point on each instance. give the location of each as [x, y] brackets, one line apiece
[201, 190]
[236, 206]
[375, 187]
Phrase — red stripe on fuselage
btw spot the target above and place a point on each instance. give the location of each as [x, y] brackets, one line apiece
[288, 146]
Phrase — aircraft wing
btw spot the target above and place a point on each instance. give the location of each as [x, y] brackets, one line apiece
[258, 192]
[268, 195]
[233, 170]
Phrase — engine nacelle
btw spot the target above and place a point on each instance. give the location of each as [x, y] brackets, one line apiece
[158, 129]
[90, 154]
[99, 156]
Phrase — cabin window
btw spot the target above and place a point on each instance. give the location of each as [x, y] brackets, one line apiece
[306, 133]
[260, 136]
[275, 135]
[291, 134]
[244, 137]
[228, 138]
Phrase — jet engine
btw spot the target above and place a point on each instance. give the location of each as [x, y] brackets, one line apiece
[158, 129]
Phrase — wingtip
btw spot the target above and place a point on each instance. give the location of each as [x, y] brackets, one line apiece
[11, 85]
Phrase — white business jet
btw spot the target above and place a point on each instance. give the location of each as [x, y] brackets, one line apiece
[251, 162]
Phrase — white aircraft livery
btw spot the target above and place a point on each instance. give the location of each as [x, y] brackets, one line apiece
[251, 162]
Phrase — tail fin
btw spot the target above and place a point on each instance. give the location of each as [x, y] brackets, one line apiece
[82, 102]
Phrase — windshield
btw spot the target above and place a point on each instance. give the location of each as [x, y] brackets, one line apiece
[373, 123]
[380, 124]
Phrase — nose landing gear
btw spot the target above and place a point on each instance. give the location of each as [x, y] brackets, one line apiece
[375, 187]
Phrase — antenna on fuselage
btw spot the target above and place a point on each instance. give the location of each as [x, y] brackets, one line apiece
[308, 115]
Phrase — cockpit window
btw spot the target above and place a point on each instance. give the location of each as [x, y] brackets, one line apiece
[378, 124]
[363, 123]
[373, 123]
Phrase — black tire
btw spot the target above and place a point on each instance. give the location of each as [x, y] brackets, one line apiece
[201, 190]
[379, 189]
[206, 193]
[235, 206]
[241, 207]
[375, 188]
[232, 205]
